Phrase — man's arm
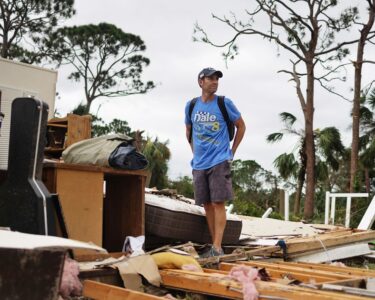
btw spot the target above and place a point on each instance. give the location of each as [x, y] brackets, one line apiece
[241, 128]
[188, 129]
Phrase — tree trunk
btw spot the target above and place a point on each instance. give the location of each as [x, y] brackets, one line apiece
[310, 148]
[281, 202]
[88, 106]
[297, 201]
[301, 177]
[357, 96]
[4, 47]
[355, 126]
[367, 180]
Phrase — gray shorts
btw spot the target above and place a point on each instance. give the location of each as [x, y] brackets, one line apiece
[213, 185]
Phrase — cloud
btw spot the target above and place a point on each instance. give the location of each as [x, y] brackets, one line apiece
[251, 80]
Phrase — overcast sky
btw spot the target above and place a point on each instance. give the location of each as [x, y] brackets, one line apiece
[251, 80]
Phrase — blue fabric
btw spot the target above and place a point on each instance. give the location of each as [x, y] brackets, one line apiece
[126, 157]
[210, 134]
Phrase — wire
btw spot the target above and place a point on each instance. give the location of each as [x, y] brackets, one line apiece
[325, 249]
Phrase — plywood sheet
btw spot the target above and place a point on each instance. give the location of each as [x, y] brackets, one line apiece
[258, 227]
[81, 196]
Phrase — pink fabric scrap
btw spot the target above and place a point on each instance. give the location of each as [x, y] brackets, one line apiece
[246, 276]
[70, 284]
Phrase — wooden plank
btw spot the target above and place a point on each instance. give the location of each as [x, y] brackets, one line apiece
[325, 241]
[101, 291]
[297, 268]
[333, 254]
[330, 268]
[97, 256]
[58, 125]
[209, 284]
[81, 197]
[93, 168]
[353, 282]
[220, 285]
[279, 271]
[79, 128]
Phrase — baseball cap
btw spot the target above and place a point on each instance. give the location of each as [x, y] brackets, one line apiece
[209, 72]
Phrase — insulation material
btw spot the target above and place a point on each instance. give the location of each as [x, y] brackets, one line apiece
[70, 283]
[247, 276]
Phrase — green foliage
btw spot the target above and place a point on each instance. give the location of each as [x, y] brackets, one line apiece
[99, 127]
[24, 22]
[329, 145]
[255, 188]
[286, 165]
[246, 175]
[106, 59]
[158, 155]
[365, 174]
[184, 186]
[247, 208]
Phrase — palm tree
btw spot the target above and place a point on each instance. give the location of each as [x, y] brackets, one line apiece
[367, 138]
[329, 148]
[158, 155]
[287, 164]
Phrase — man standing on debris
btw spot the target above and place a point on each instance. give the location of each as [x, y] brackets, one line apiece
[209, 121]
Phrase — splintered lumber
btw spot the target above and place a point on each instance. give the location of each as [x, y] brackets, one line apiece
[322, 241]
[101, 291]
[316, 277]
[330, 268]
[262, 251]
[280, 271]
[299, 246]
[213, 284]
[218, 284]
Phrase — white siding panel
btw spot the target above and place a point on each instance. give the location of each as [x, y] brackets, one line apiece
[22, 80]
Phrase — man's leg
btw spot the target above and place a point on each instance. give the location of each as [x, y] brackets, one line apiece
[220, 190]
[216, 221]
[210, 217]
[220, 220]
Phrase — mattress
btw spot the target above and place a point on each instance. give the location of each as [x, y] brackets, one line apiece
[175, 220]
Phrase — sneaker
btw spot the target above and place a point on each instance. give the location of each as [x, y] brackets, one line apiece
[212, 252]
[216, 252]
[206, 254]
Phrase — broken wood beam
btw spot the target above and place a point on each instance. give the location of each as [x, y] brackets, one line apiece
[325, 241]
[221, 285]
[262, 251]
[101, 291]
[331, 268]
[279, 272]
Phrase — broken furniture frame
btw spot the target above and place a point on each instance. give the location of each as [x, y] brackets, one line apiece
[92, 214]
[63, 132]
[330, 206]
[369, 216]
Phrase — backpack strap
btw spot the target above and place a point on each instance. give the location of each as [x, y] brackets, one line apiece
[223, 109]
[224, 112]
[191, 107]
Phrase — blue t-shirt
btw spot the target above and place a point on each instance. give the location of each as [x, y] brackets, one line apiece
[210, 134]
